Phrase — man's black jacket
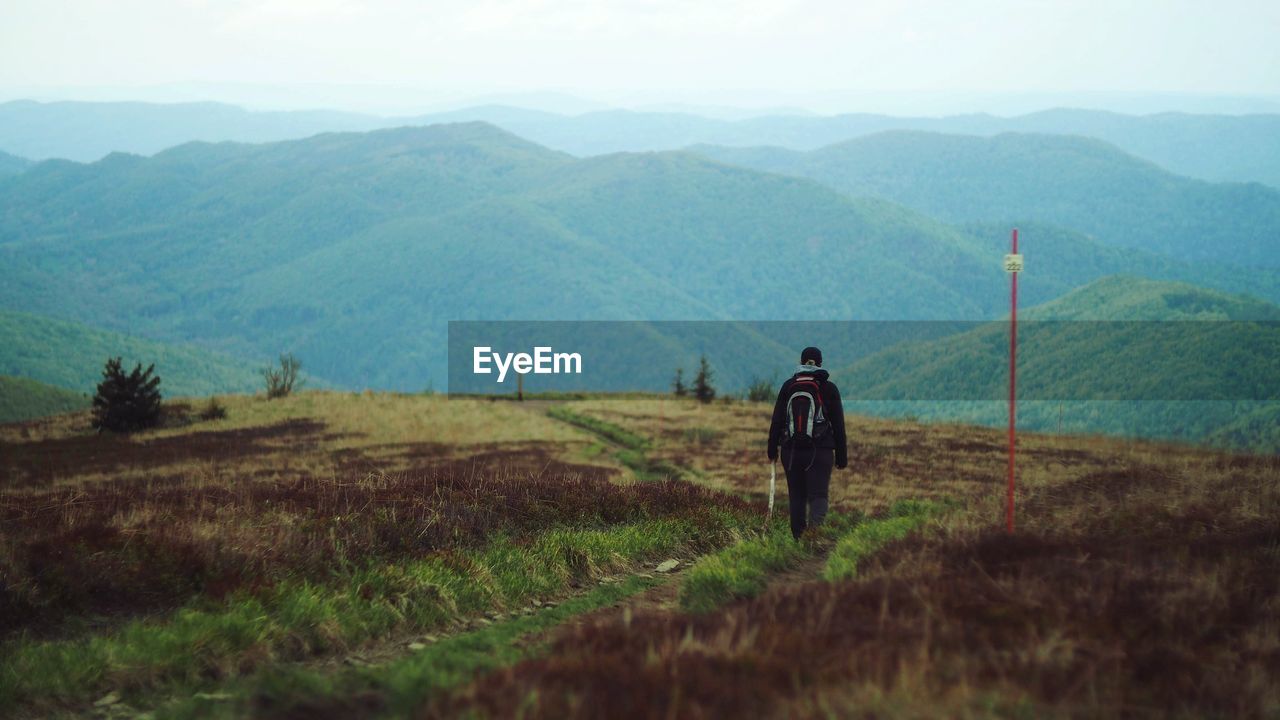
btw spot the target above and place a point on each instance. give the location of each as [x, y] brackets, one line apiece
[831, 408]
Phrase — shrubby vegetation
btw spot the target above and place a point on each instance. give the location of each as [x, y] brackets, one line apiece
[282, 378]
[127, 401]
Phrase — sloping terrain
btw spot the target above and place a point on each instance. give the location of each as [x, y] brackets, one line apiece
[1121, 355]
[344, 248]
[23, 399]
[336, 554]
[1072, 182]
[12, 164]
[71, 356]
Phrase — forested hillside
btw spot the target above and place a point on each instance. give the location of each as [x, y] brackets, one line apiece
[354, 249]
[12, 164]
[70, 355]
[1121, 355]
[24, 398]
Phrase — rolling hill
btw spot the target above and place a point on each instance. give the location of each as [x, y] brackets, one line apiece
[24, 399]
[70, 356]
[1240, 148]
[1121, 355]
[12, 164]
[354, 249]
[1082, 184]
[1061, 260]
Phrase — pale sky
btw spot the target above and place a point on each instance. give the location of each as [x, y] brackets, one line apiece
[655, 49]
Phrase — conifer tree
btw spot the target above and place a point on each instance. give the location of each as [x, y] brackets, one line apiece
[702, 388]
[126, 402]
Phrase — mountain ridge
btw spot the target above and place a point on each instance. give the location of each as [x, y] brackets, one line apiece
[1207, 146]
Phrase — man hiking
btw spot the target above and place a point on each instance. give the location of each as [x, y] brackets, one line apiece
[808, 426]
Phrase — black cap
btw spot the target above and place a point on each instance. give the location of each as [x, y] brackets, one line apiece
[811, 353]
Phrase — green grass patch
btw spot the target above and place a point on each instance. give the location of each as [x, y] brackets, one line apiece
[633, 449]
[399, 687]
[905, 516]
[607, 430]
[24, 398]
[742, 569]
[205, 643]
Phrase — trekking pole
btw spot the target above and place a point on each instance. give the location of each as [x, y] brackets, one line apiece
[773, 481]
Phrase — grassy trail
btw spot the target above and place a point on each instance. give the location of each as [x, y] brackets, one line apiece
[408, 671]
[629, 448]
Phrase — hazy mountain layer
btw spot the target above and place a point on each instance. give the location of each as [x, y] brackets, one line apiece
[1211, 147]
[1082, 184]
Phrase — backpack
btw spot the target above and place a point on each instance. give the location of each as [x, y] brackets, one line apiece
[806, 417]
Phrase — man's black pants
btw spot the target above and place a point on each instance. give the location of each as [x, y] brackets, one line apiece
[808, 479]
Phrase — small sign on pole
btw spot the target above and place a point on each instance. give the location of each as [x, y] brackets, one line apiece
[1013, 266]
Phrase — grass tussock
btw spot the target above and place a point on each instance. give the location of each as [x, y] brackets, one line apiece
[865, 538]
[742, 570]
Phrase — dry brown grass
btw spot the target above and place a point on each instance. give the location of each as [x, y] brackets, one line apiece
[311, 434]
[889, 460]
[114, 524]
[1144, 581]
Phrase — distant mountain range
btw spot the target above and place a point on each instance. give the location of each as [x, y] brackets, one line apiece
[1210, 147]
[1078, 183]
[354, 249]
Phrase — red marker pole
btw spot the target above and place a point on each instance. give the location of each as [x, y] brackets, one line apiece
[1013, 377]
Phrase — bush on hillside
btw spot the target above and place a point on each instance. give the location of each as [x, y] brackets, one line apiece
[213, 410]
[282, 379]
[760, 391]
[126, 402]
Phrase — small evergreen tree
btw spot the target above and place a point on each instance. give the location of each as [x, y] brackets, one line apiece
[281, 380]
[126, 402]
[677, 385]
[702, 388]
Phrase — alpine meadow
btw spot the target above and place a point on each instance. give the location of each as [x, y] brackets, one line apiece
[639, 360]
